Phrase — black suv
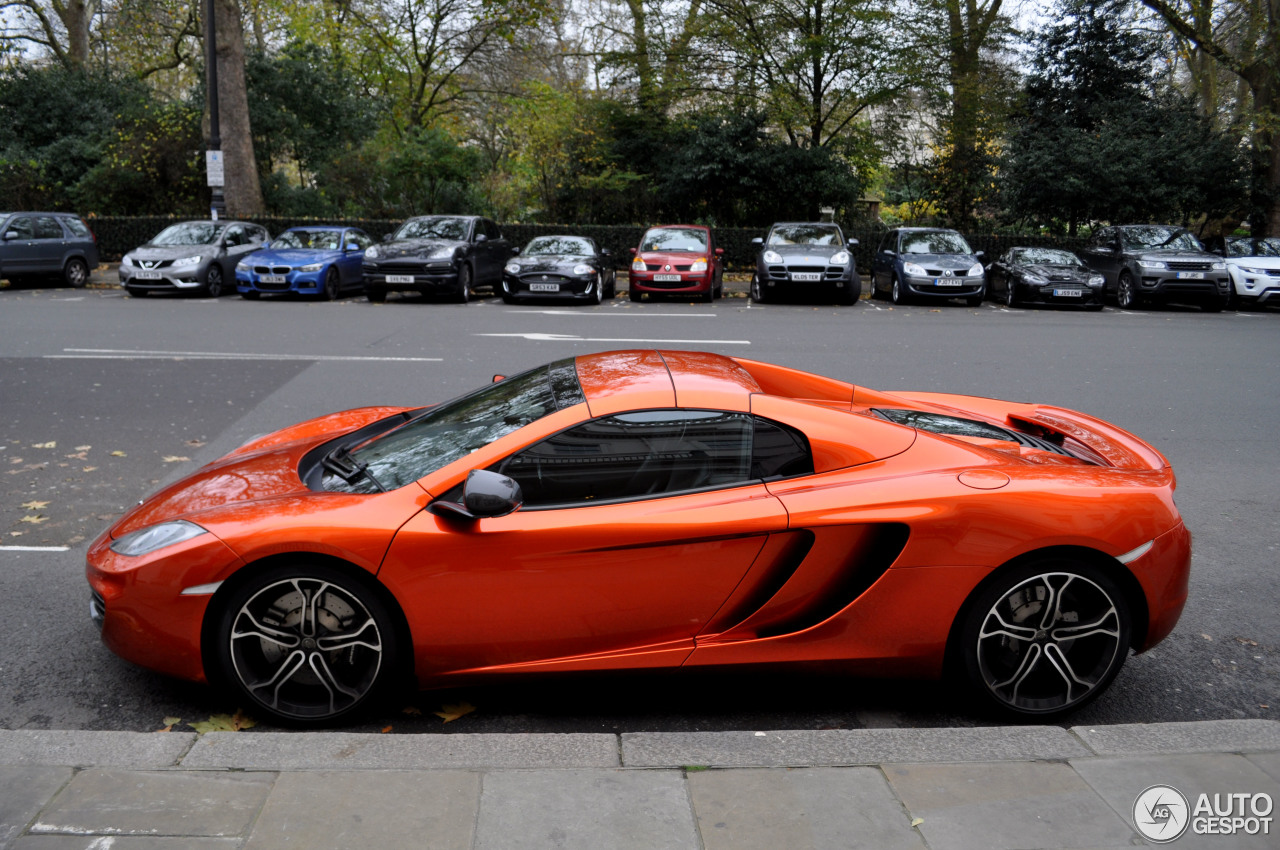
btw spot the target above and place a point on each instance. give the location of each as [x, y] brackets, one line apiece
[442, 254]
[46, 245]
[1157, 262]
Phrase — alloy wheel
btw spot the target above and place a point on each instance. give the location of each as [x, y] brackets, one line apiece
[76, 273]
[213, 281]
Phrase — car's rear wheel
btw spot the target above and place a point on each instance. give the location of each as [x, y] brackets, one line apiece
[332, 285]
[306, 645]
[76, 273]
[1044, 638]
[1127, 293]
[213, 281]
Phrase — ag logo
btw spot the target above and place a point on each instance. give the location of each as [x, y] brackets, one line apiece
[1161, 814]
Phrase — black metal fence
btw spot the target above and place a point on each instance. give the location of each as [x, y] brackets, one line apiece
[119, 234]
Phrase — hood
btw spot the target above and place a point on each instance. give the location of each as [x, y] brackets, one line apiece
[1050, 271]
[1176, 254]
[296, 256]
[942, 261]
[684, 258]
[422, 248]
[550, 262]
[1272, 263]
[172, 252]
[264, 468]
[805, 253]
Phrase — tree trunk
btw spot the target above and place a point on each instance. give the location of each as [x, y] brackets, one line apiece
[243, 192]
[76, 15]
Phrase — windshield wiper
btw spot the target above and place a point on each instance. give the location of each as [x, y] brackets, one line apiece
[342, 464]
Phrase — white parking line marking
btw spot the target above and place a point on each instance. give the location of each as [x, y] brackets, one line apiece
[614, 313]
[121, 354]
[570, 338]
[34, 548]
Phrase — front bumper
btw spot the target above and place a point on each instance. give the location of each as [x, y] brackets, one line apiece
[1171, 285]
[539, 285]
[929, 287]
[816, 278]
[430, 277]
[688, 283]
[164, 279]
[1256, 288]
[1060, 293]
[294, 281]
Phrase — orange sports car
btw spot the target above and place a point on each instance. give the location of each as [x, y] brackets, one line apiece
[649, 509]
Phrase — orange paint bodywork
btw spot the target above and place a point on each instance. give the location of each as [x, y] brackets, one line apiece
[867, 562]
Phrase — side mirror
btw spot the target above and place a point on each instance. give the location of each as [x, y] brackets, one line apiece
[386, 237]
[12, 234]
[515, 251]
[719, 252]
[851, 242]
[759, 240]
[633, 250]
[480, 237]
[979, 254]
[605, 252]
[486, 494]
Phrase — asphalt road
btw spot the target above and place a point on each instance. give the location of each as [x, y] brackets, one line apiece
[104, 397]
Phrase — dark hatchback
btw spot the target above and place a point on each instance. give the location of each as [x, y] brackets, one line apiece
[1025, 275]
[927, 263]
[41, 245]
[437, 255]
[805, 257]
[560, 267]
[1157, 262]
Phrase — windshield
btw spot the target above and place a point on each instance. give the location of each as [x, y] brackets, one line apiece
[323, 240]
[1160, 236]
[1046, 256]
[552, 245]
[436, 227]
[934, 242]
[1254, 247]
[454, 429]
[674, 239]
[190, 233]
[805, 234]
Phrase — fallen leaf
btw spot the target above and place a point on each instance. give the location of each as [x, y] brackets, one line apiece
[79, 456]
[35, 519]
[195, 444]
[412, 711]
[453, 712]
[169, 723]
[224, 723]
[1205, 636]
[52, 444]
[15, 460]
[34, 505]
[916, 821]
[386, 728]
[118, 453]
[88, 468]
[1240, 640]
[83, 448]
[16, 533]
[174, 459]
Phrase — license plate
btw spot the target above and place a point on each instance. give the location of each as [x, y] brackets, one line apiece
[271, 278]
[1070, 293]
[667, 277]
[947, 281]
[145, 275]
[806, 277]
[399, 278]
[1190, 275]
[544, 287]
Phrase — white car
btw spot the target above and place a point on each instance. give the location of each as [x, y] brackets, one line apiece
[1254, 266]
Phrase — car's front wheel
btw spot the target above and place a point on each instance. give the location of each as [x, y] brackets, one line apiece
[1010, 294]
[898, 295]
[463, 293]
[332, 285]
[307, 645]
[213, 281]
[1044, 638]
[757, 290]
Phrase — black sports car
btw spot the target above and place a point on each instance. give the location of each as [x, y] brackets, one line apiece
[441, 254]
[558, 267]
[1044, 276]
[808, 257]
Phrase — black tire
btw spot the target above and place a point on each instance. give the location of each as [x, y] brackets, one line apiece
[898, 294]
[1011, 294]
[332, 289]
[250, 295]
[213, 281]
[375, 295]
[1093, 308]
[757, 290]
[463, 293]
[307, 644]
[1215, 305]
[850, 293]
[612, 291]
[974, 300]
[1126, 293]
[633, 295]
[597, 290]
[135, 293]
[508, 298]
[1043, 638]
[76, 273]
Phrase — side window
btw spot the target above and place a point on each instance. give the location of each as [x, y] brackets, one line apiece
[21, 226]
[889, 242]
[235, 236]
[635, 455]
[47, 227]
[779, 452]
[491, 227]
[258, 235]
[77, 227]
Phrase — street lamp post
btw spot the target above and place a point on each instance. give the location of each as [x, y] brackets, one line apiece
[213, 156]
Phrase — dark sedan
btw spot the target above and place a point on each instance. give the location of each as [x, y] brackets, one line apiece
[1044, 276]
[1157, 262]
[559, 267]
[926, 262]
[437, 254]
[805, 257]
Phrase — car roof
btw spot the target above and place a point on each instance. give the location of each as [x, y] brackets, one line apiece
[671, 226]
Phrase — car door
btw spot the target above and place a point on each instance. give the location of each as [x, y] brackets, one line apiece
[1000, 275]
[882, 263]
[27, 249]
[634, 531]
[349, 265]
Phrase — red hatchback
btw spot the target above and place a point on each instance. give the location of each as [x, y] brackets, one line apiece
[678, 259]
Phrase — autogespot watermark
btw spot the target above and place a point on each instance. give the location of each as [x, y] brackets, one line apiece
[1163, 814]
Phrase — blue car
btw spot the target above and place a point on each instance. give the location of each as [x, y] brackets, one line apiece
[323, 261]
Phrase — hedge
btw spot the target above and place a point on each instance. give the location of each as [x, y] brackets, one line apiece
[119, 234]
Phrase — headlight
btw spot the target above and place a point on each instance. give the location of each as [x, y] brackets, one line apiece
[126, 261]
[371, 252]
[637, 265]
[699, 265]
[1097, 280]
[1035, 280]
[840, 259]
[513, 268]
[772, 257]
[1248, 270]
[583, 268]
[441, 254]
[1152, 264]
[242, 266]
[975, 270]
[914, 269]
[1217, 267]
[311, 267]
[146, 540]
[188, 261]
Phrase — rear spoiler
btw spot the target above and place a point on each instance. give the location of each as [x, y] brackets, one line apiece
[1115, 446]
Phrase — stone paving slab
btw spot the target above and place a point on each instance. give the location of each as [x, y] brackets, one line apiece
[839, 747]
[384, 810]
[23, 792]
[1007, 806]
[585, 810]
[1269, 763]
[851, 808]
[1120, 780]
[175, 803]
[126, 842]
[353, 751]
[87, 749]
[1202, 736]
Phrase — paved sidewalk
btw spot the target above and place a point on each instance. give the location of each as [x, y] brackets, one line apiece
[1002, 787]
